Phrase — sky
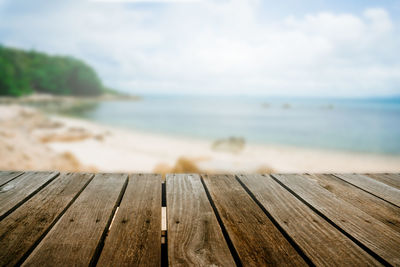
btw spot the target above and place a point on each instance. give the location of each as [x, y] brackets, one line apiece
[249, 47]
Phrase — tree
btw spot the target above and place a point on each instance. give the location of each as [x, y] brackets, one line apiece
[26, 72]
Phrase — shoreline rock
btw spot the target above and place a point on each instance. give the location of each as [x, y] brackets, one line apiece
[232, 145]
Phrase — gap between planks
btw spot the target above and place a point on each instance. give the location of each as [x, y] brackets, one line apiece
[163, 221]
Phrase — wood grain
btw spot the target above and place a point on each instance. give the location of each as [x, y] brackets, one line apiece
[135, 235]
[21, 229]
[376, 207]
[48, 219]
[371, 233]
[321, 242]
[6, 176]
[391, 179]
[74, 240]
[18, 190]
[375, 187]
[194, 235]
[256, 239]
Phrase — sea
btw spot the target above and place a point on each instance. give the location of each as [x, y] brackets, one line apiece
[368, 125]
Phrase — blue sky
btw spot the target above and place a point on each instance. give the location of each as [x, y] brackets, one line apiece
[285, 48]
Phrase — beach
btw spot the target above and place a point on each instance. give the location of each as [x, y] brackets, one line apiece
[32, 140]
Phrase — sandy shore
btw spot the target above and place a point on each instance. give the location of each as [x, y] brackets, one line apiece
[31, 140]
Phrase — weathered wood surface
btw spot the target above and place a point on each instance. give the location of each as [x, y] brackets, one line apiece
[18, 190]
[23, 228]
[379, 189]
[135, 235]
[194, 236]
[74, 240]
[377, 208]
[8, 176]
[256, 239]
[391, 179]
[52, 219]
[356, 223]
[323, 244]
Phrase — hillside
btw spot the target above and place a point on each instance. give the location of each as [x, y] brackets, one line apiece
[24, 72]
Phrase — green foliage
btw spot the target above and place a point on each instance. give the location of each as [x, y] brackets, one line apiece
[26, 72]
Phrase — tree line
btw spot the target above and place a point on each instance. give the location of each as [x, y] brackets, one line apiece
[24, 72]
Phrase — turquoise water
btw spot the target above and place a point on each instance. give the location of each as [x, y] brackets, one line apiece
[363, 125]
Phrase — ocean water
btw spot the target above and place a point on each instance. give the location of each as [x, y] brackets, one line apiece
[362, 125]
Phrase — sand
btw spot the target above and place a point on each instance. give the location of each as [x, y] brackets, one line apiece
[22, 149]
[30, 140]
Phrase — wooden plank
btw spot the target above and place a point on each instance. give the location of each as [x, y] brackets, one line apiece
[321, 242]
[75, 239]
[256, 239]
[194, 235]
[18, 190]
[26, 225]
[376, 207]
[368, 232]
[135, 235]
[391, 179]
[6, 176]
[384, 191]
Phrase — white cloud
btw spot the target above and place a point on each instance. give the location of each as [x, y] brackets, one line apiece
[379, 19]
[220, 47]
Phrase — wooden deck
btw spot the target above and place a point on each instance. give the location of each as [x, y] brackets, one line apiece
[81, 219]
